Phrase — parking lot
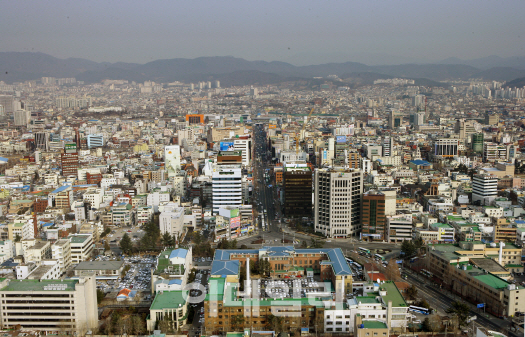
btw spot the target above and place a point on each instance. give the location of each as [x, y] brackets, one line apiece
[134, 232]
[138, 277]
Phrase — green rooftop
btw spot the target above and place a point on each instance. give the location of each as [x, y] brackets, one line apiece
[392, 294]
[366, 299]
[492, 281]
[78, 238]
[374, 325]
[169, 300]
[40, 285]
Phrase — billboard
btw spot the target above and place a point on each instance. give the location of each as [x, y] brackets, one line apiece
[272, 126]
[325, 155]
[235, 222]
[340, 139]
[226, 146]
[70, 147]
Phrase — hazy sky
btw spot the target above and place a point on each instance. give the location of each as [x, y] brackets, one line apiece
[296, 31]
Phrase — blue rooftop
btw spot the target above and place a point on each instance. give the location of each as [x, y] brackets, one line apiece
[181, 253]
[225, 267]
[176, 281]
[420, 162]
[61, 189]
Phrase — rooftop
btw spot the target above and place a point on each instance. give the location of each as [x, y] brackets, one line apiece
[99, 265]
[392, 294]
[169, 300]
[370, 324]
[40, 285]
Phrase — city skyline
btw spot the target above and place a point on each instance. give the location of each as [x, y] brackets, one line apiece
[298, 33]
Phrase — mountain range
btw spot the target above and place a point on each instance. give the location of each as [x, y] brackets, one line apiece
[21, 66]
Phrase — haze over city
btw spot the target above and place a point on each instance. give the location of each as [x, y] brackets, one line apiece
[299, 32]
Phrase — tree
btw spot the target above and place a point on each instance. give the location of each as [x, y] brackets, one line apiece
[408, 248]
[106, 246]
[100, 296]
[435, 324]
[425, 326]
[191, 276]
[304, 244]
[411, 292]
[167, 240]
[274, 323]
[137, 325]
[237, 322]
[18, 237]
[244, 247]
[126, 245]
[392, 270]
[460, 310]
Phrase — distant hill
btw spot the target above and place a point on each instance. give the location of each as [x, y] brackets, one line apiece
[233, 71]
[516, 83]
[488, 62]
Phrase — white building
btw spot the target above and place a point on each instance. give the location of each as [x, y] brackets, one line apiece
[171, 219]
[6, 250]
[61, 251]
[156, 198]
[81, 247]
[337, 201]
[172, 159]
[226, 186]
[51, 301]
[94, 197]
[399, 228]
[484, 189]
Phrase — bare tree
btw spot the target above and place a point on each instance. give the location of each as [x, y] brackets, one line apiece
[392, 271]
[435, 324]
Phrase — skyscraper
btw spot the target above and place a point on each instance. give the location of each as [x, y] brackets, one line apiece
[7, 101]
[69, 164]
[22, 117]
[464, 128]
[226, 186]
[297, 183]
[477, 140]
[337, 203]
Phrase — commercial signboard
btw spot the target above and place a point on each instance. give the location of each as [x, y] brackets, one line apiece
[70, 147]
[235, 222]
[226, 146]
[340, 139]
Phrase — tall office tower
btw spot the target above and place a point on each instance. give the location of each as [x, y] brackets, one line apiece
[490, 118]
[477, 140]
[297, 185]
[446, 147]
[420, 118]
[8, 102]
[394, 120]
[377, 205]
[226, 186]
[217, 84]
[172, 159]
[337, 204]
[245, 146]
[464, 128]
[388, 146]
[418, 100]
[69, 164]
[254, 92]
[484, 188]
[22, 117]
[42, 140]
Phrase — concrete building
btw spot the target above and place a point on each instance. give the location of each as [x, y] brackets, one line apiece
[61, 251]
[172, 159]
[376, 206]
[484, 189]
[227, 186]
[81, 247]
[103, 270]
[337, 201]
[297, 185]
[55, 305]
[171, 219]
[399, 228]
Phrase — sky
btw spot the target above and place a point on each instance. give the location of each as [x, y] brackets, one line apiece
[299, 32]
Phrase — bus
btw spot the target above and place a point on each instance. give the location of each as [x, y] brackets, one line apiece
[379, 257]
[364, 250]
[420, 310]
[426, 273]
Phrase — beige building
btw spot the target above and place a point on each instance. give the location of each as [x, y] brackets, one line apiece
[370, 327]
[61, 251]
[81, 247]
[49, 305]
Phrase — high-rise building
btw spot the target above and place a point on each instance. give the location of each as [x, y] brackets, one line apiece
[388, 146]
[42, 140]
[493, 152]
[477, 140]
[226, 186]
[297, 185]
[394, 120]
[491, 119]
[245, 146]
[418, 100]
[377, 205]
[337, 206]
[172, 159]
[8, 102]
[464, 128]
[484, 188]
[446, 147]
[69, 164]
[22, 117]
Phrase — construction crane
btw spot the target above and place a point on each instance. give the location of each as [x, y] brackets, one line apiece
[300, 132]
